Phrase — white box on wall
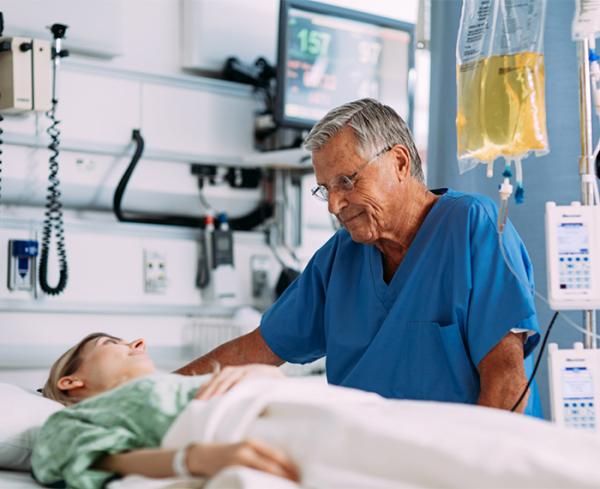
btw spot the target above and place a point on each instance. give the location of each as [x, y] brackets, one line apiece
[213, 30]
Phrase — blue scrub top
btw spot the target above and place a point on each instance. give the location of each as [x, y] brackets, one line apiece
[451, 300]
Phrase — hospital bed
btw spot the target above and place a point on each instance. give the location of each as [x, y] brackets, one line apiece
[342, 438]
[17, 480]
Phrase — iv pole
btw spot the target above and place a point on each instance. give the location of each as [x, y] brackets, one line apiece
[585, 161]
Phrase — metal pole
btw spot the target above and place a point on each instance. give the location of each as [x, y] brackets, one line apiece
[585, 161]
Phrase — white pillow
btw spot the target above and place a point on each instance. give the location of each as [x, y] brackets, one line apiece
[22, 414]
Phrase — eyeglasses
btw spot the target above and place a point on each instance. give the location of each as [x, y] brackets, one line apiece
[345, 183]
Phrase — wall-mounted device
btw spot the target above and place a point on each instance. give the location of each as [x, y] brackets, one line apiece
[216, 275]
[574, 376]
[328, 55]
[25, 74]
[28, 81]
[22, 256]
[53, 222]
[225, 280]
[573, 256]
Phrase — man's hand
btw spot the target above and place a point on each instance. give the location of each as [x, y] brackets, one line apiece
[244, 350]
[208, 459]
[224, 380]
[502, 374]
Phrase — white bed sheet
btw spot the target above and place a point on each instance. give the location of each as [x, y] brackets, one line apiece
[345, 439]
[17, 480]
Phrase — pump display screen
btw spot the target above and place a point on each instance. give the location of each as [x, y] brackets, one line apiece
[573, 238]
[326, 60]
[577, 383]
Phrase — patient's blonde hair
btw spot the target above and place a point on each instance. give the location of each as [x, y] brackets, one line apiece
[67, 364]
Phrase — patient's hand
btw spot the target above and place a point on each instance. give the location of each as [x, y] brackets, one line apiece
[224, 380]
[208, 459]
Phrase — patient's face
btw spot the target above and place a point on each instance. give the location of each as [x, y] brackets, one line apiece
[108, 362]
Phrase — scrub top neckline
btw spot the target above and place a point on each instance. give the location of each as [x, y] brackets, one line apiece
[388, 293]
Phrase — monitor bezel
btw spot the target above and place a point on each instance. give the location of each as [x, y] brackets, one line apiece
[320, 8]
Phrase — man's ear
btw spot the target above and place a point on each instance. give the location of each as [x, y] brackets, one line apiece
[69, 383]
[402, 160]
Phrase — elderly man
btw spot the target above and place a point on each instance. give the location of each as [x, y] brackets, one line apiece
[412, 298]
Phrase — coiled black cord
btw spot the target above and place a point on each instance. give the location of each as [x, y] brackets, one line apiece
[54, 216]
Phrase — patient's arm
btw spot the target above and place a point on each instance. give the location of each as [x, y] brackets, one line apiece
[151, 463]
[502, 374]
[201, 460]
[250, 348]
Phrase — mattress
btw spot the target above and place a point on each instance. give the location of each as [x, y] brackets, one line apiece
[17, 480]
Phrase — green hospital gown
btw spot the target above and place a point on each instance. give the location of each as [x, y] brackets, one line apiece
[132, 416]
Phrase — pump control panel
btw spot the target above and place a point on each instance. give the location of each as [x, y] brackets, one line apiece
[574, 376]
[573, 256]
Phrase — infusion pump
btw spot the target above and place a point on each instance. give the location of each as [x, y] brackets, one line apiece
[574, 376]
[573, 256]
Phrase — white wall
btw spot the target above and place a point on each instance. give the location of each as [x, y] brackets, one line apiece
[184, 118]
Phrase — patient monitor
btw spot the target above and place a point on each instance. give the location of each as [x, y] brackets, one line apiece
[574, 376]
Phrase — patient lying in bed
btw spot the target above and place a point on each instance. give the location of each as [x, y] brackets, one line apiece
[126, 419]
[119, 410]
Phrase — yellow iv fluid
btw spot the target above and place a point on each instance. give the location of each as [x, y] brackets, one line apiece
[501, 110]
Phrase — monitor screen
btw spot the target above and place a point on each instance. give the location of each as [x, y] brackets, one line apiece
[330, 55]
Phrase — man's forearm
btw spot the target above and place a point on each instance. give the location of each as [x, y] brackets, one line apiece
[502, 375]
[504, 395]
[250, 348]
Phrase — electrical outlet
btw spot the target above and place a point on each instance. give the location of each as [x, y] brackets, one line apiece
[155, 272]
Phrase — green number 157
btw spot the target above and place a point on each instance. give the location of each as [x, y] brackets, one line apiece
[314, 43]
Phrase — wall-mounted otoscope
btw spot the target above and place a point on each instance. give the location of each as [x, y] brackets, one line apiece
[54, 217]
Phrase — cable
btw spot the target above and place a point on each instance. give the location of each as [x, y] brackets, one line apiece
[204, 202]
[53, 216]
[537, 362]
[243, 223]
[269, 240]
[53, 220]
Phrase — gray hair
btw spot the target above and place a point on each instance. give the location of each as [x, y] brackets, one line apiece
[376, 127]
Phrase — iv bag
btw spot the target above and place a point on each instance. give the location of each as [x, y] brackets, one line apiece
[500, 81]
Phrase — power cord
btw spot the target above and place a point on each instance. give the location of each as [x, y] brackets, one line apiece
[537, 362]
[249, 221]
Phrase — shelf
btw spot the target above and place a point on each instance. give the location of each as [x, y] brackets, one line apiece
[287, 159]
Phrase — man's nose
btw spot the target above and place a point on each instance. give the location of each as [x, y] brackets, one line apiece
[336, 201]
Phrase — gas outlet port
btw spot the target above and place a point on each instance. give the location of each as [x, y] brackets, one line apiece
[155, 272]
